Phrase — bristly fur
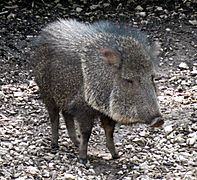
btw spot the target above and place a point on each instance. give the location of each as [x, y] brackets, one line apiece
[122, 29]
[71, 49]
[89, 71]
[63, 29]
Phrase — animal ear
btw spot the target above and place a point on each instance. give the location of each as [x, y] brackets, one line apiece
[110, 56]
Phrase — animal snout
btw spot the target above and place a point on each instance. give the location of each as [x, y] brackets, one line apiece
[157, 122]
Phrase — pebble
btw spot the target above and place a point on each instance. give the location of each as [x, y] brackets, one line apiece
[179, 139]
[183, 66]
[193, 22]
[120, 172]
[31, 83]
[78, 9]
[106, 156]
[33, 170]
[144, 166]
[194, 72]
[46, 173]
[161, 98]
[18, 94]
[159, 8]
[192, 139]
[143, 133]
[143, 177]
[106, 4]
[139, 8]
[129, 146]
[69, 176]
[51, 165]
[3, 151]
[168, 29]
[2, 95]
[143, 14]
[178, 98]
[168, 129]
[7, 144]
[127, 178]
[93, 7]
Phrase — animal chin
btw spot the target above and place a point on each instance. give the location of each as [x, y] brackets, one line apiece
[123, 119]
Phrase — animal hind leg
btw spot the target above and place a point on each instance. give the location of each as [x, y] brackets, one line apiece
[70, 125]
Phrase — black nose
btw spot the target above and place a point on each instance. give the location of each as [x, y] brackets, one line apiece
[157, 122]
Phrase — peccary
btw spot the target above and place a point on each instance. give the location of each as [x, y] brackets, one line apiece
[86, 71]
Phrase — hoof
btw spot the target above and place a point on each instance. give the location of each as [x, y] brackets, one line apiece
[54, 148]
[115, 156]
[83, 161]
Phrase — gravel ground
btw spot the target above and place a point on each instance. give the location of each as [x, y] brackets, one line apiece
[146, 153]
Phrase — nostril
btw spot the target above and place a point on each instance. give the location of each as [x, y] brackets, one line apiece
[157, 122]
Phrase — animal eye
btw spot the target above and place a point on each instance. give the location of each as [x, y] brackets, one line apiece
[153, 78]
[129, 80]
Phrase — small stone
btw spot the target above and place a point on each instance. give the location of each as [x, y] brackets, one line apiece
[139, 8]
[143, 133]
[45, 174]
[127, 178]
[105, 156]
[194, 72]
[51, 165]
[120, 172]
[3, 117]
[33, 170]
[179, 98]
[69, 176]
[3, 151]
[168, 129]
[143, 14]
[18, 94]
[11, 15]
[93, 7]
[193, 22]
[179, 139]
[91, 171]
[124, 166]
[129, 146]
[78, 9]
[144, 166]
[182, 158]
[192, 138]
[32, 147]
[195, 64]
[191, 141]
[106, 4]
[144, 177]
[2, 95]
[138, 140]
[168, 29]
[7, 144]
[118, 144]
[32, 83]
[161, 98]
[183, 65]
[159, 8]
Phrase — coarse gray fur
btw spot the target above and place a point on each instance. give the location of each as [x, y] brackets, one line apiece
[101, 69]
